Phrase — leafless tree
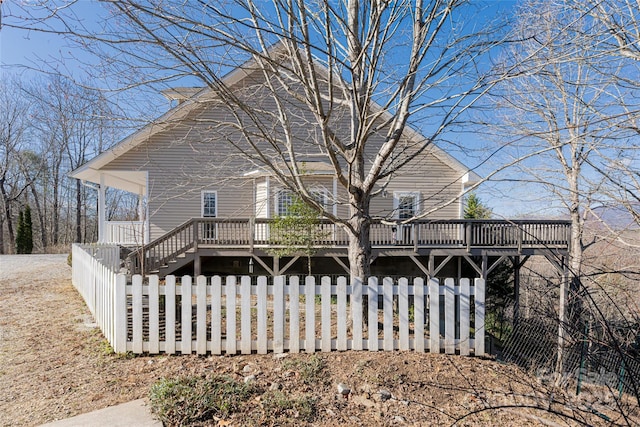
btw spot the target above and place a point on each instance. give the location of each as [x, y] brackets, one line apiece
[621, 20]
[13, 128]
[566, 105]
[570, 103]
[68, 123]
[372, 67]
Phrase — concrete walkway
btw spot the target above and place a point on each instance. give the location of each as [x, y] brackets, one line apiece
[132, 414]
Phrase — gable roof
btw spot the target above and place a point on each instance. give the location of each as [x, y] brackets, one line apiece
[188, 100]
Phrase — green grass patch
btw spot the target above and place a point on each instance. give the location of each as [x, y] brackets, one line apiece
[190, 400]
[278, 406]
[311, 369]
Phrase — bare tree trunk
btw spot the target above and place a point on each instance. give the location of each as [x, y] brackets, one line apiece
[55, 217]
[1, 235]
[359, 241]
[360, 249]
[7, 213]
[43, 229]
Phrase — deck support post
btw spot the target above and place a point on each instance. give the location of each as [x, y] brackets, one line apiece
[263, 264]
[197, 265]
[420, 265]
[516, 287]
[517, 265]
[560, 264]
[485, 267]
[288, 265]
[562, 319]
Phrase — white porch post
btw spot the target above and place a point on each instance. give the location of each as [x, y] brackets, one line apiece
[143, 211]
[102, 223]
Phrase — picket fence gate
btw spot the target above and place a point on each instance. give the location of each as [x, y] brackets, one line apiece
[212, 317]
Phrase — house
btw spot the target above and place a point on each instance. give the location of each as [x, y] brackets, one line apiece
[208, 202]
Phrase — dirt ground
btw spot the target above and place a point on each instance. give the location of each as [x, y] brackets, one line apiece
[55, 364]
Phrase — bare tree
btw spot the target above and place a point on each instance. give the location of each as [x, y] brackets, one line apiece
[352, 74]
[13, 127]
[565, 104]
[68, 121]
[621, 21]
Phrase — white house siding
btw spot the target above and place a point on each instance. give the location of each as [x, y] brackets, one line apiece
[196, 155]
[181, 163]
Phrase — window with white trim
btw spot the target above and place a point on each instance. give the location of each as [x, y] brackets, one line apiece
[284, 200]
[406, 204]
[209, 204]
[209, 210]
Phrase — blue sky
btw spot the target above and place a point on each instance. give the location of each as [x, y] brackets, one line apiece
[32, 49]
[22, 48]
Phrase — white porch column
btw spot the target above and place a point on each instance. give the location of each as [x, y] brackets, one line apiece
[143, 214]
[102, 210]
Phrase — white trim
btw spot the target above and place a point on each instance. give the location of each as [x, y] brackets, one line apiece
[461, 198]
[276, 199]
[396, 201]
[147, 218]
[268, 181]
[202, 193]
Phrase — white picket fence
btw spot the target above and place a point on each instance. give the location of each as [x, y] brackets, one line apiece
[238, 316]
[216, 315]
[93, 273]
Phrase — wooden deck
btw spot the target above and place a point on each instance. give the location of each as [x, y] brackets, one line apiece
[251, 236]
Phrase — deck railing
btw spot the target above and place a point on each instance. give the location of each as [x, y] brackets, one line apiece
[124, 232]
[257, 233]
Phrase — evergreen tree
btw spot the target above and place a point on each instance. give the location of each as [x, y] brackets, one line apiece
[20, 234]
[28, 231]
[500, 280]
[475, 209]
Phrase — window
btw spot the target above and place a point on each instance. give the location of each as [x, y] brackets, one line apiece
[209, 210]
[284, 200]
[209, 204]
[406, 204]
[320, 196]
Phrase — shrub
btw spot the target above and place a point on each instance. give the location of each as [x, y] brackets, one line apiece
[188, 400]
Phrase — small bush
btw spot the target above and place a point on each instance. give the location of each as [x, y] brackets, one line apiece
[188, 400]
[278, 405]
